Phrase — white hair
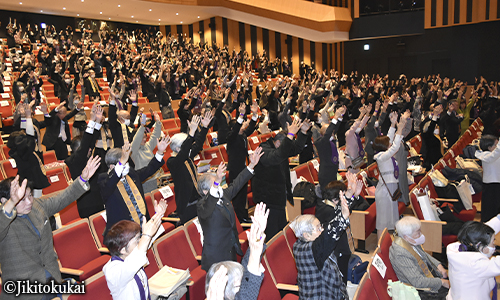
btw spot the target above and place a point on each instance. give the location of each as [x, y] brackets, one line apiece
[176, 141]
[234, 277]
[303, 224]
[407, 226]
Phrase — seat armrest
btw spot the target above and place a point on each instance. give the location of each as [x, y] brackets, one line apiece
[170, 219]
[246, 225]
[103, 250]
[287, 287]
[69, 271]
[447, 200]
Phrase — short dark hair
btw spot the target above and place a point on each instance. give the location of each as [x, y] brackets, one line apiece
[487, 141]
[332, 189]
[75, 143]
[475, 235]
[281, 135]
[120, 235]
[381, 143]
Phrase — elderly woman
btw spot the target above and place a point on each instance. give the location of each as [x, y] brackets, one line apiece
[319, 277]
[184, 173]
[472, 270]
[387, 146]
[229, 280]
[142, 151]
[216, 213]
[124, 272]
[413, 265]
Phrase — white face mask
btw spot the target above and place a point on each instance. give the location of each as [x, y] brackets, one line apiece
[21, 88]
[358, 130]
[491, 250]
[436, 131]
[93, 75]
[376, 124]
[127, 122]
[68, 81]
[126, 169]
[420, 240]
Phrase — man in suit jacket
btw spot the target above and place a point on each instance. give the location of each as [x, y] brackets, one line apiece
[81, 147]
[25, 234]
[57, 134]
[237, 154]
[121, 123]
[271, 183]
[216, 214]
[432, 149]
[121, 187]
[412, 264]
[91, 85]
[327, 150]
[185, 148]
[450, 123]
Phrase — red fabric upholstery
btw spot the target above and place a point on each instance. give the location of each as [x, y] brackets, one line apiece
[290, 237]
[253, 142]
[372, 170]
[57, 180]
[194, 237]
[152, 268]
[223, 152]
[172, 206]
[448, 239]
[370, 219]
[97, 289]
[313, 171]
[265, 137]
[98, 225]
[173, 131]
[384, 254]
[49, 157]
[213, 154]
[466, 215]
[173, 250]
[281, 262]
[379, 283]
[69, 214]
[366, 291]
[5, 151]
[8, 170]
[82, 255]
[149, 203]
[303, 170]
[416, 206]
[268, 290]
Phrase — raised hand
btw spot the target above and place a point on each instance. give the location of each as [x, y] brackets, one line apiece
[163, 144]
[43, 108]
[254, 108]
[193, 124]
[345, 207]
[60, 105]
[340, 112]
[255, 157]
[221, 171]
[98, 114]
[160, 207]
[393, 117]
[305, 126]
[217, 284]
[207, 118]
[92, 165]
[294, 128]
[17, 191]
[126, 148]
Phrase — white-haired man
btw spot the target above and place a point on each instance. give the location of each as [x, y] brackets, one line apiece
[184, 173]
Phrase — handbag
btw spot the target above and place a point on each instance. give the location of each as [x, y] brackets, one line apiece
[400, 291]
[358, 162]
[438, 178]
[397, 193]
[464, 190]
[468, 164]
[429, 213]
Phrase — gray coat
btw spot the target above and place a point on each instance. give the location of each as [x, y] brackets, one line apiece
[408, 271]
[23, 254]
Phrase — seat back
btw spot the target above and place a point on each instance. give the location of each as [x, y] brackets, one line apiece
[265, 137]
[365, 290]
[57, 180]
[213, 154]
[268, 290]
[152, 267]
[5, 151]
[289, 236]
[313, 164]
[194, 236]
[379, 282]
[75, 254]
[172, 206]
[49, 157]
[96, 287]
[253, 142]
[8, 170]
[69, 214]
[98, 225]
[303, 171]
[173, 250]
[280, 261]
[223, 152]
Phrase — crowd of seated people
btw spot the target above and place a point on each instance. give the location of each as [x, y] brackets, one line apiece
[233, 94]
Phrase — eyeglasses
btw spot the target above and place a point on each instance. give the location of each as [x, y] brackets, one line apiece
[318, 228]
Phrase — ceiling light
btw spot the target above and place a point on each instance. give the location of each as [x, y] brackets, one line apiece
[109, 18]
[77, 15]
[181, 22]
[64, 8]
[118, 5]
[150, 9]
[137, 21]
[176, 14]
[41, 11]
[100, 12]
[83, 0]
[20, 3]
[159, 19]
[132, 16]
[198, 17]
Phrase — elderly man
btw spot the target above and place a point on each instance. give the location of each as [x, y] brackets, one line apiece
[121, 187]
[121, 121]
[271, 183]
[318, 276]
[413, 265]
[57, 135]
[184, 173]
[26, 245]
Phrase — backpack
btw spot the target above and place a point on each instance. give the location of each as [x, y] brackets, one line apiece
[308, 191]
[356, 269]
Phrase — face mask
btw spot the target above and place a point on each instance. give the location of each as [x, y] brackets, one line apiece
[68, 81]
[491, 250]
[420, 240]
[93, 75]
[127, 122]
[358, 130]
[436, 131]
[126, 169]
[21, 88]
[376, 124]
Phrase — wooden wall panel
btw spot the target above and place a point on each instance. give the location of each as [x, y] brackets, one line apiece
[196, 32]
[307, 52]
[272, 45]
[218, 29]
[295, 54]
[248, 40]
